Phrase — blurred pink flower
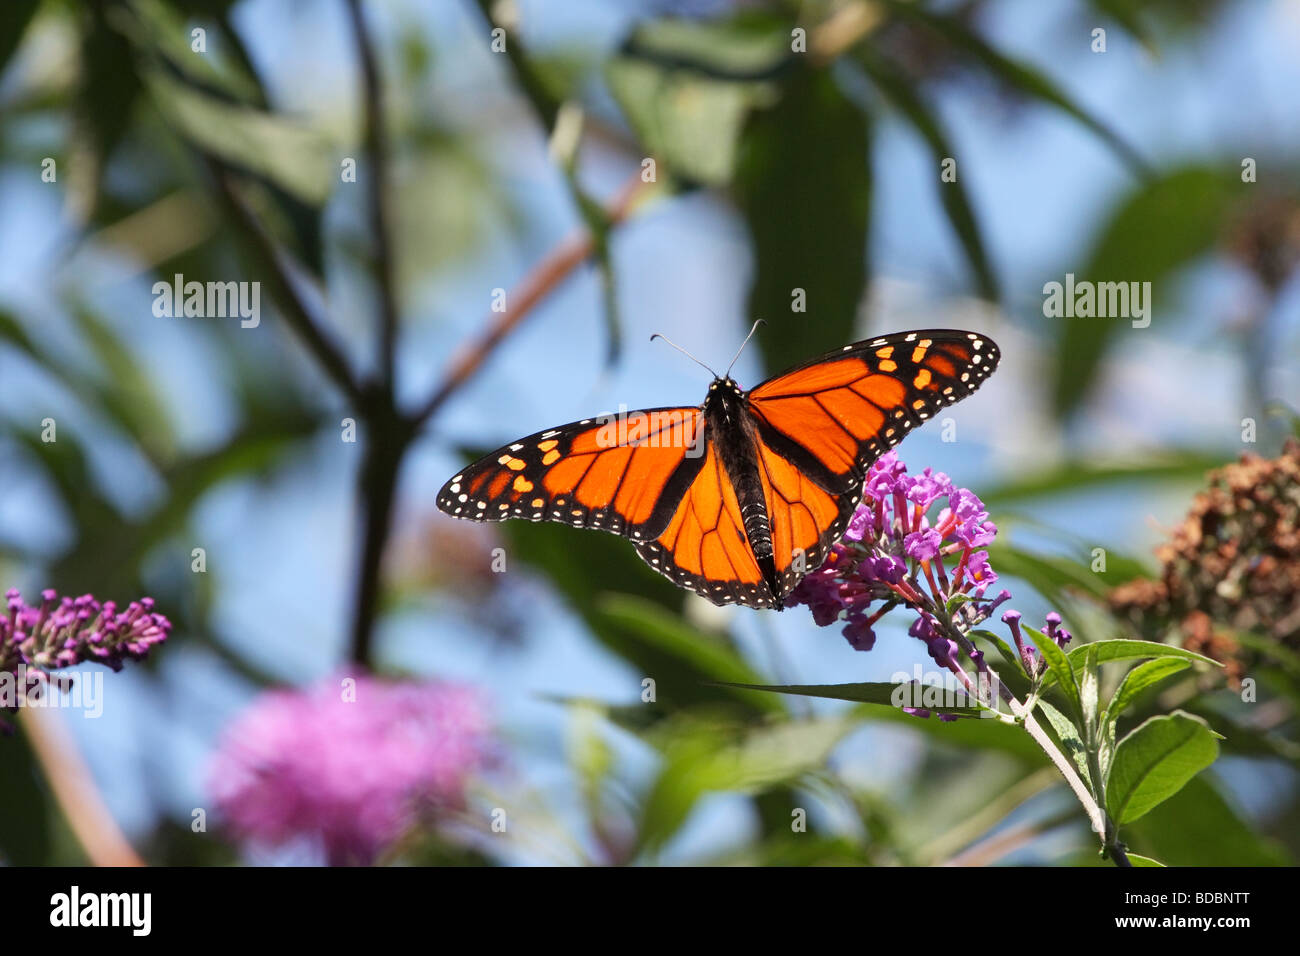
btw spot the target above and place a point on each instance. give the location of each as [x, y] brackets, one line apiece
[348, 764]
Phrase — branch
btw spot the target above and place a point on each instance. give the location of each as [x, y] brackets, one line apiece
[292, 307]
[377, 153]
[545, 277]
[74, 790]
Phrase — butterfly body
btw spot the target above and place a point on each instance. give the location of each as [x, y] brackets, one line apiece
[739, 497]
[727, 419]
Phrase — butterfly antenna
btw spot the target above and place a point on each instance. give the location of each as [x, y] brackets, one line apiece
[744, 343]
[659, 335]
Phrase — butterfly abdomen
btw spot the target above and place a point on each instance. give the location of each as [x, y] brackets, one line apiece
[733, 434]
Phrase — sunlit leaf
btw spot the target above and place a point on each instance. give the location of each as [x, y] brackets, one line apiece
[1155, 760]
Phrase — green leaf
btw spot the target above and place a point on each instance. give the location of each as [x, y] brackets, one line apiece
[15, 15]
[109, 86]
[896, 695]
[1017, 74]
[1138, 860]
[1141, 678]
[295, 157]
[686, 89]
[889, 79]
[1197, 826]
[1051, 575]
[1071, 740]
[1059, 666]
[679, 658]
[699, 758]
[26, 817]
[963, 736]
[1167, 223]
[1155, 761]
[803, 184]
[1088, 691]
[1126, 649]
[1003, 648]
[1013, 674]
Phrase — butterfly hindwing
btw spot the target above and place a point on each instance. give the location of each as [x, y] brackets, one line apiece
[704, 547]
[623, 474]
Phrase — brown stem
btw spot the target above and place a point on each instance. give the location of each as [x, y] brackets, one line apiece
[387, 440]
[545, 277]
[377, 152]
[74, 790]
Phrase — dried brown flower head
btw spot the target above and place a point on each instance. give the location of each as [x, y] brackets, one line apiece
[1232, 565]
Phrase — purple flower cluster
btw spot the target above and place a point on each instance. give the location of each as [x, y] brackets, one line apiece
[64, 632]
[915, 541]
[893, 553]
[349, 765]
[1028, 653]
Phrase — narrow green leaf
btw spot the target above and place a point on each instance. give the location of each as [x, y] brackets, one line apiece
[14, 17]
[937, 699]
[699, 758]
[1141, 678]
[803, 184]
[1004, 649]
[1138, 860]
[1126, 649]
[888, 77]
[1155, 760]
[1018, 74]
[679, 658]
[1071, 740]
[1088, 699]
[1059, 666]
[1073, 476]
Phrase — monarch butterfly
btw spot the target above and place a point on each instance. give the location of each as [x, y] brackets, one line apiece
[741, 496]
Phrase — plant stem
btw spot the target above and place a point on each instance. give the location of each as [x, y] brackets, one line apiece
[293, 308]
[75, 791]
[377, 180]
[1096, 815]
[387, 441]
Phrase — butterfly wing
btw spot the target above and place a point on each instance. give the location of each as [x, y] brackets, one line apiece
[704, 546]
[832, 417]
[820, 426]
[816, 430]
[656, 478]
[624, 474]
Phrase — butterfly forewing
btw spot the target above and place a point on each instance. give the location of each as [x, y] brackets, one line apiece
[619, 474]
